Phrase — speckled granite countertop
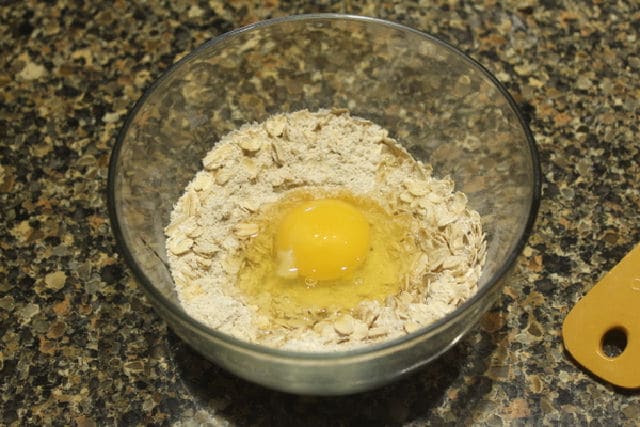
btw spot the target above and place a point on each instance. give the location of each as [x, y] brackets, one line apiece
[79, 345]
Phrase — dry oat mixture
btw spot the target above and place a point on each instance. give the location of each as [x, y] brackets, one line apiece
[256, 165]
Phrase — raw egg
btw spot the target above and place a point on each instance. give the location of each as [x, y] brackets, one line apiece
[320, 252]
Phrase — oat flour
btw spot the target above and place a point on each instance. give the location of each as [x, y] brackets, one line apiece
[256, 164]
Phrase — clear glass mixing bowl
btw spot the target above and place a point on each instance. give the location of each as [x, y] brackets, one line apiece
[443, 106]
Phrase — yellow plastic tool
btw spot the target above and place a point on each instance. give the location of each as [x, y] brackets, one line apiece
[610, 309]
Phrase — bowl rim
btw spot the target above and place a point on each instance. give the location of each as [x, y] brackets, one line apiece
[358, 352]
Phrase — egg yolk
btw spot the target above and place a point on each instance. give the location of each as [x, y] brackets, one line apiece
[321, 240]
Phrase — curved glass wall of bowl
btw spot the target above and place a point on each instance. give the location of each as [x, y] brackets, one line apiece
[442, 106]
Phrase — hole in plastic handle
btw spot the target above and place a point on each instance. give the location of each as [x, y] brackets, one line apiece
[614, 342]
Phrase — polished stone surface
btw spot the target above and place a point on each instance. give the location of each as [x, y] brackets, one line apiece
[79, 345]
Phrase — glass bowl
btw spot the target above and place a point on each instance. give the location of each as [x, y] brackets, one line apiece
[444, 107]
